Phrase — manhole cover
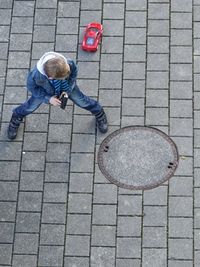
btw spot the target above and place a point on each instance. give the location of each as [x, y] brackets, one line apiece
[138, 157]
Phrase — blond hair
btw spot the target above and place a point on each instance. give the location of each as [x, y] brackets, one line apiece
[57, 68]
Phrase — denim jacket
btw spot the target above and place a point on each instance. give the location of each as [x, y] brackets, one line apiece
[41, 87]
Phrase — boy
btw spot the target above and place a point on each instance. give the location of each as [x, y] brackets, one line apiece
[52, 76]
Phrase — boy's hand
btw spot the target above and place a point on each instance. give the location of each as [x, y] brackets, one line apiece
[54, 101]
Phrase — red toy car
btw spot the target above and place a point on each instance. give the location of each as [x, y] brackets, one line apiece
[92, 36]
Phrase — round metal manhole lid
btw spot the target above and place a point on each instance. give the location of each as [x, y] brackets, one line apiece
[138, 157]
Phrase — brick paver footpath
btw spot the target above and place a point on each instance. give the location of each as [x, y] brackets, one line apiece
[56, 208]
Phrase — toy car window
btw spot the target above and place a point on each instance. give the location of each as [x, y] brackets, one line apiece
[94, 29]
[90, 41]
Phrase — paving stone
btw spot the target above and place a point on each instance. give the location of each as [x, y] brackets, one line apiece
[181, 20]
[157, 80]
[83, 143]
[154, 257]
[56, 172]
[33, 161]
[76, 261]
[57, 152]
[57, 115]
[45, 16]
[84, 124]
[9, 170]
[128, 247]
[24, 260]
[4, 33]
[52, 234]
[37, 123]
[44, 4]
[158, 62]
[155, 216]
[158, 44]
[179, 5]
[29, 201]
[38, 49]
[8, 191]
[112, 44]
[158, 11]
[181, 89]
[133, 88]
[133, 106]
[102, 256]
[110, 97]
[157, 98]
[5, 16]
[196, 258]
[53, 213]
[23, 8]
[6, 232]
[180, 249]
[31, 181]
[50, 256]
[94, 5]
[69, 9]
[113, 11]
[154, 237]
[158, 28]
[110, 80]
[28, 222]
[87, 16]
[196, 239]
[15, 95]
[156, 196]
[6, 4]
[181, 263]
[196, 118]
[55, 192]
[64, 43]
[196, 177]
[72, 25]
[111, 62]
[78, 224]
[8, 210]
[157, 116]
[181, 108]
[22, 25]
[103, 235]
[185, 167]
[181, 54]
[26, 243]
[79, 203]
[6, 254]
[129, 205]
[20, 42]
[181, 186]
[77, 245]
[104, 214]
[135, 53]
[82, 162]
[44, 33]
[181, 127]
[81, 182]
[135, 36]
[181, 36]
[196, 197]
[135, 19]
[134, 71]
[129, 226]
[35, 141]
[105, 193]
[180, 206]
[136, 4]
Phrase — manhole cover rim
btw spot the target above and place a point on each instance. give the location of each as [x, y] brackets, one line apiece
[145, 186]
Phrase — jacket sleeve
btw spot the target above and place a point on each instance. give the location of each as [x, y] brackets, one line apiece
[37, 90]
[73, 74]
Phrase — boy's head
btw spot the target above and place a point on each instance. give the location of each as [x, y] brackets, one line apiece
[57, 68]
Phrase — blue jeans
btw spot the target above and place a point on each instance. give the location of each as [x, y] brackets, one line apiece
[76, 96]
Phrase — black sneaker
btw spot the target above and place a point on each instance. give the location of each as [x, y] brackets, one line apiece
[13, 126]
[102, 122]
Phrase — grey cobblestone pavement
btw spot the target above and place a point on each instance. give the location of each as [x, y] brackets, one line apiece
[56, 208]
